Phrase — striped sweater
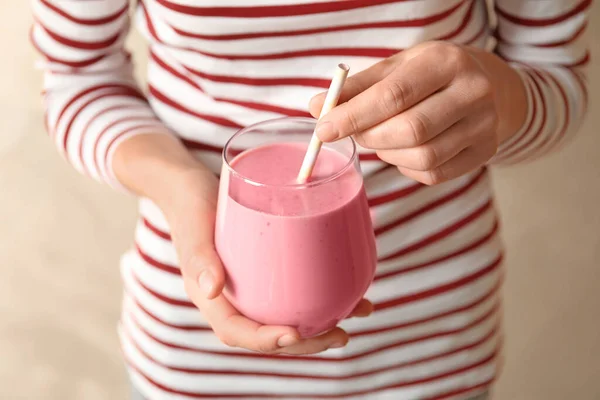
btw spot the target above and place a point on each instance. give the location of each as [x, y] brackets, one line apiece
[218, 65]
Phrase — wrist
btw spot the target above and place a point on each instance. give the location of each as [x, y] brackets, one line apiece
[510, 93]
[154, 165]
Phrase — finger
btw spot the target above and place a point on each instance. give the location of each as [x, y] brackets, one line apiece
[354, 85]
[408, 84]
[333, 339]
[466, 161]
[420, 123]
[199, 259]
[235, 330]
[444, 146]
[364, 308]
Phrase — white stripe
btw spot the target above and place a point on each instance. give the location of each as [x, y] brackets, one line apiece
[533, 9]
[90, 9]
[576, 51]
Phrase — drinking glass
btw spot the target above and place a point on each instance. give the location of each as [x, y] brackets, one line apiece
[300, 255]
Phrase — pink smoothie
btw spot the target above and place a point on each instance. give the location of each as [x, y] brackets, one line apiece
[297, 256]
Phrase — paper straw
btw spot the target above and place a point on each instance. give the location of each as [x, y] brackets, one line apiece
[333, 95]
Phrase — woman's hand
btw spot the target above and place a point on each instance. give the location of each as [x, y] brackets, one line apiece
[186, 192]
[436, 111]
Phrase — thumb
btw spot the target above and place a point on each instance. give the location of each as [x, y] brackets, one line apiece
[316, 104]
[204, 268]
[199, 261]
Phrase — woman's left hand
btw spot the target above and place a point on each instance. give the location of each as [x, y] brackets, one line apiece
[431, 110]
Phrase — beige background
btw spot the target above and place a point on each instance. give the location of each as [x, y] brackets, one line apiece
[61, 235]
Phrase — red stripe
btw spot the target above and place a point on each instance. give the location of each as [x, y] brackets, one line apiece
[154, 57]
[417, 22]
[581, 7]
[94, 118]
[427, 241]
[77, 44]
[72, 64]
[288, 112]
[157, 264]
[327, 52]
[181, 327]
[178, 106]
[84, 21]
[274, 11]
[149, 22]
[164, 299]
[436, 291]
[310, 82]
[432, 205]
[274, 374]
[195, 145]
[368, 157]
[464, 390]
[118, 91]
[431, 318]
[583, 62]
[395, 195]
[155, 230]
[471, 246]
[464, 23]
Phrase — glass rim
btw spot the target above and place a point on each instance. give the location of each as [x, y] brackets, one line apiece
[319, 182]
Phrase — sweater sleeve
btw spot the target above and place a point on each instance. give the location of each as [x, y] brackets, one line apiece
[547, 43]
[91, 100]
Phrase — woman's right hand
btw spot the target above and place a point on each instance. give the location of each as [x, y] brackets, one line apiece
[160, 168]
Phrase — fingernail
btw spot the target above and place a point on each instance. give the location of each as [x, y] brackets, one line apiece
[337, 345]
[287, 340]
[325, 131]
[206, 282]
